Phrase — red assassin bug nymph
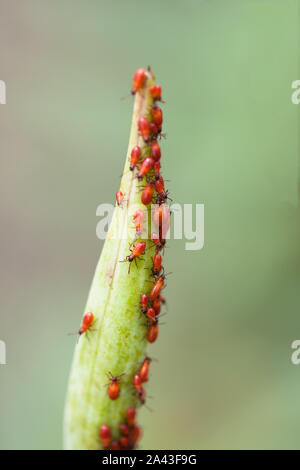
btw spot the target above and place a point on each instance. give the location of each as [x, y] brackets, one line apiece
[136, 252]
[130, 416]
[157, 266]
[154, 130]
[144, 370]
[158, 285]
[147, 193]
[113, 387]
[156, 305]
[124, 429]
[86, 324]
[146, 166]
[104, 433]
[135, 157]
[160, 188]
[119, 197]
[156, 169]
[144, 128]
[151, 315]
[138, 80]
[134, 436]
[157, 116]
[152, 332]
[115, 445]
[124, 443]
[137, 382]
[155, 92]
[144, 303]
[155, 150]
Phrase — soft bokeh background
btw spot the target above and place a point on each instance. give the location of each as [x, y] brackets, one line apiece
[224, 377]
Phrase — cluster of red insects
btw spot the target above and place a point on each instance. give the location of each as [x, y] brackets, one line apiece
[150, 304]
[130, 433]
[150, 131]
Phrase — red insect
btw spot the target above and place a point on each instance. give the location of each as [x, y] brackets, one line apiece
[130, 416]
[115, 445]
[87, 321]
[144, 370]
[119, 197]
[155, 92]
[157, 287]
[162, 219]
[137, 382]
[152, 332]
[124, 443]
[157, 116]
[160, 188]
[156, 169]
[114, 388]
[135, 157]
[151, 315]
[104, 433]
[159, 242]
[138, 80]
[124, 429]
[139, 218]
[155, 150]
[156, 305]
[146, 166]
[147, 193]
[144, 128]
[135, 435]
[144, 303]
[157, 266]
[137, 250]
[154, 130]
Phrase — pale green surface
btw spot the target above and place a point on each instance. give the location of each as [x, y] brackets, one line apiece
[119, 344]
[224, 377]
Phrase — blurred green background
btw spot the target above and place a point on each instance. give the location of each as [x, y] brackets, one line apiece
[224, 377]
